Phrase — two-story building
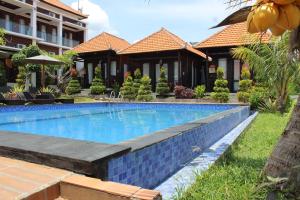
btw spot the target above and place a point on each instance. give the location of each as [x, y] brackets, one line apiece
[50, 24]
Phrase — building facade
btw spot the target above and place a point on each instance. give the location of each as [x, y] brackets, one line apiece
[50, 24]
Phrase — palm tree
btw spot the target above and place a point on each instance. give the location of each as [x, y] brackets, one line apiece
[273, 64]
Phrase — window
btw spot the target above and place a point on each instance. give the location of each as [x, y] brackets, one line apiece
[43, 32]
[8, 23]
[113, 68]
[165, 66]
[54, 35]
[237, 74]
[90, 72]
[125, 70]
[22, 26]
[223, 64]
[146, 69]
[176, 68]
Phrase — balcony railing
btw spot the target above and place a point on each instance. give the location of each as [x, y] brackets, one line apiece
[47, 37]
[70, 43]
[15, 27]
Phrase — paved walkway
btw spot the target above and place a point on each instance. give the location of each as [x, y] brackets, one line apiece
[187, 175]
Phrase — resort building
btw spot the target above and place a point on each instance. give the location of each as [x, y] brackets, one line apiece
[50, 24]
[101, 51]
[218, 47]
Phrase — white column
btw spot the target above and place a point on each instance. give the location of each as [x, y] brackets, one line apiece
[71, 40]
[85, 35]
[60, 33]
[33, 21]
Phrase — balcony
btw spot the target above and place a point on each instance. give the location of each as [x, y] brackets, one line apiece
[14, 27]
[47, 37]
[70, 43]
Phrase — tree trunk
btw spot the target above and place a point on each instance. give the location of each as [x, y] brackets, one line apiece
[287, 152]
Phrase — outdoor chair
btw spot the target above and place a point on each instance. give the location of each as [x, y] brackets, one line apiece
[39, 99]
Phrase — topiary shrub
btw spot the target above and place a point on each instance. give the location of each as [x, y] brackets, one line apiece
[200, 91]
[221, 91]
[245, 86]
[127, 89]
[137, 81]
[3, 79]
[162, 87]
[97, 84]
[21, 77]
[145, 93]
[74, 85]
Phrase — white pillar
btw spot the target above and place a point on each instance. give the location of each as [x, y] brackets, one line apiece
[60, 30]
[71, 40]
[85, 35]
[33, 21]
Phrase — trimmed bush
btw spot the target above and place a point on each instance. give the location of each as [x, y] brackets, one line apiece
[200, 91]
[145, 93]
[73, 87]
[97, 84]
[162, 87]
[127, 89]
[245, 86]
[21, 77]
[3, 80]
[221, 91]
[137, 81]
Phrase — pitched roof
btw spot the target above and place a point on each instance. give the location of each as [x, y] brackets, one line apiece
[102, 42]
[163, 40]
[232, 35]
[59, 4]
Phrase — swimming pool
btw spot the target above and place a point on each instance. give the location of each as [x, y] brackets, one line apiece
[139, 144]
[105, 123]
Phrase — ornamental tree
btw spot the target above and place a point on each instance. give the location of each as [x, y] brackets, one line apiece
[73, 85]
[97, 84]
[245, 86]
[162, 87]
[137, 81]
[221, 91]
[127, 90]
[145, 93]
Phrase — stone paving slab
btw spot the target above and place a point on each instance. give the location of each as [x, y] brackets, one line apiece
[187, 175]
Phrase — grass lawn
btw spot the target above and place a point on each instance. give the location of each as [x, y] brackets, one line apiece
[83, 100]
[236, 175]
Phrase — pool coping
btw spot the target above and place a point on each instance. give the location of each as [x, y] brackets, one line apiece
[87, 157]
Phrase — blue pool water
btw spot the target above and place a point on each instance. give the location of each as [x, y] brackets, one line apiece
[106, 123]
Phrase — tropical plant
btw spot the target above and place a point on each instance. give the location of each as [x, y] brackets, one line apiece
[200, 91]
[258, 95]
[21, 77]
[162, 87]
[47, 90]
[273, 64]
[2, 36]
[17, 89]
[3, 79]
[221, 91]
[245, 86]
[145, 93]
[97, 84]
[127, 90]
[137, 81]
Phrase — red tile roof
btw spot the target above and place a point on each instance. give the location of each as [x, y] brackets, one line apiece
[102, 42]
[59, 4]
[163, 40]
[232, 35]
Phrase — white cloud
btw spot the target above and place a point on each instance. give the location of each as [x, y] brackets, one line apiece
[98, 20]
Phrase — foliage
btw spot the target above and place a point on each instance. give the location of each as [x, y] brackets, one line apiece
[145, 93]
[258, 95]
[47, 90]
[182, 92]
[3, 79]
[137, 81]
[127, 90]
[273, 64]
[162, 87]
[200, 91]
[97, 84]
[2, 37]
[237, 174]
[245, 86]
[67, 58]
[221, 91]
[73, 87]
[116, 87]
[18, 59]
[17, 89]
[21, 77]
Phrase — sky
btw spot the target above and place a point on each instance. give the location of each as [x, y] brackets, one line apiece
[135, 19]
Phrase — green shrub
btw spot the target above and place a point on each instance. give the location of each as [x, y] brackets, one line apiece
[21, 77]
[127, 89]
[162, 87]
[137, 81]
[200, 91]
[145, 93]
[73, 87]
[245, 86]
[221, 91]
[258, 95]
[97, 86]
[3, 79]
